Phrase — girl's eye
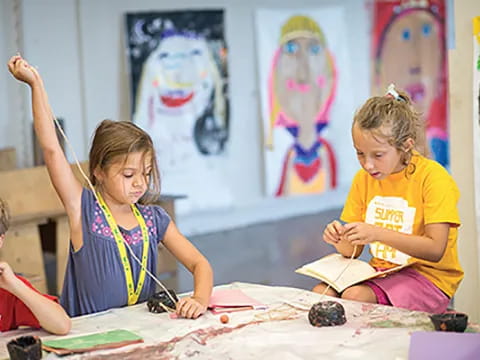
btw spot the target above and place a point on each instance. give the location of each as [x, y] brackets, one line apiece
[378, 155]
[359, 154]
[128, 175]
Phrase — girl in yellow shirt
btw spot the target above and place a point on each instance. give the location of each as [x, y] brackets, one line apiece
[404, 206]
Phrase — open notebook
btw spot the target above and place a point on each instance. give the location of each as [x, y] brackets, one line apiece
[341, 272]
[229, 300]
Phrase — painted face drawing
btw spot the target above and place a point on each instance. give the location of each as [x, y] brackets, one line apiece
[410, 51]
[412, 56]
[180, 96]
[301, 83]
[302, 87]
[183, 80]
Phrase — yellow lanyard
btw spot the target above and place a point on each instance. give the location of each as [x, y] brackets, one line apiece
[133, 294]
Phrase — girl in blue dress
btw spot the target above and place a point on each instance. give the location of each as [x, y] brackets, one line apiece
[115, 221]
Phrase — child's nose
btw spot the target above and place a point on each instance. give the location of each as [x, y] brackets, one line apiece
[368, 164]
[138, 180]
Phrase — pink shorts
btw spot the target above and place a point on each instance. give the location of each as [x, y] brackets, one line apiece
[410, 290]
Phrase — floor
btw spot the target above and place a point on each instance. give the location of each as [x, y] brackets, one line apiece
[266, 253]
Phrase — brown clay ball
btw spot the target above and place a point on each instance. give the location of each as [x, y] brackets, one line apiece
[224, 319]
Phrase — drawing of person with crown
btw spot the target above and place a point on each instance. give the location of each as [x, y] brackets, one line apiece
[301, 89]
[409, 49]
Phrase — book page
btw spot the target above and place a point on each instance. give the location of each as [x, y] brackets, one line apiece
[328, 269]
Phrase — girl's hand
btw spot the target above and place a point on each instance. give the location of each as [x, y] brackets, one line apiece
[21, 70]
[359, 233]
[190, 308]
[7, 277]
[333, 232]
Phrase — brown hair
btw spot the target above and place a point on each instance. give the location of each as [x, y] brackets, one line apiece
[393, 119]
[4, 217]
[114, 139]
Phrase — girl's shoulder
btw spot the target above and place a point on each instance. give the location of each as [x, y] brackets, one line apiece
[431, 174]
[156, 219]
[154, 212]
[429, 168]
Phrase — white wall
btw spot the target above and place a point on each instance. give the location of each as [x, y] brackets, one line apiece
[12, 96]
[4, 110]
[79, 48]
[461, 129]
[51, 43]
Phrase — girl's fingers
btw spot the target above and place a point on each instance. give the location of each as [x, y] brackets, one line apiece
[184, 308]
[198, 312]
[328, 238]
[13, 59]
[11, 64]
[350, 229]
[334, 238]
[350, 236]
[180, 306]
[337, 227]
[332, 231]
[189, 308]
[190, 311]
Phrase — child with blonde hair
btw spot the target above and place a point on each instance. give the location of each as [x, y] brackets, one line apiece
[115, 232]
[404, 206]
[20, 303]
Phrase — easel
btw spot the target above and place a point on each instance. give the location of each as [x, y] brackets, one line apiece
[33, 202]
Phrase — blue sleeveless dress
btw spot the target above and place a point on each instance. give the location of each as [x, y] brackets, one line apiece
[94, 279]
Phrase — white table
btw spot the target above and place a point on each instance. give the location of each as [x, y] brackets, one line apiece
[371, 331]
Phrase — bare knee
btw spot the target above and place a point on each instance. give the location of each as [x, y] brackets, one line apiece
[360, 293]
[320, 289]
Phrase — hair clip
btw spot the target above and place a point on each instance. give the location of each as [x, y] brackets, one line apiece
[391, 92]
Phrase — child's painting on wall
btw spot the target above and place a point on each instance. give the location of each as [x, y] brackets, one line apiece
[304, 69]
[179, 81]
[409, 50]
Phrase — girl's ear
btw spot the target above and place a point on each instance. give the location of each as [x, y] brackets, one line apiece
[2, 237]
[408, 145]
[99, 175]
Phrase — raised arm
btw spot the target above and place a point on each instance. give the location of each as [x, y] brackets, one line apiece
[49, 314]
[67, 186]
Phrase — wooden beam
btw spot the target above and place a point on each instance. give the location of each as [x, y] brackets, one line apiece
[8, 159]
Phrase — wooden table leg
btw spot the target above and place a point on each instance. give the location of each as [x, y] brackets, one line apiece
[63, 245]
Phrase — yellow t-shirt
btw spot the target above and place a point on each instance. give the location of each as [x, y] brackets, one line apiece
[407, 202]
